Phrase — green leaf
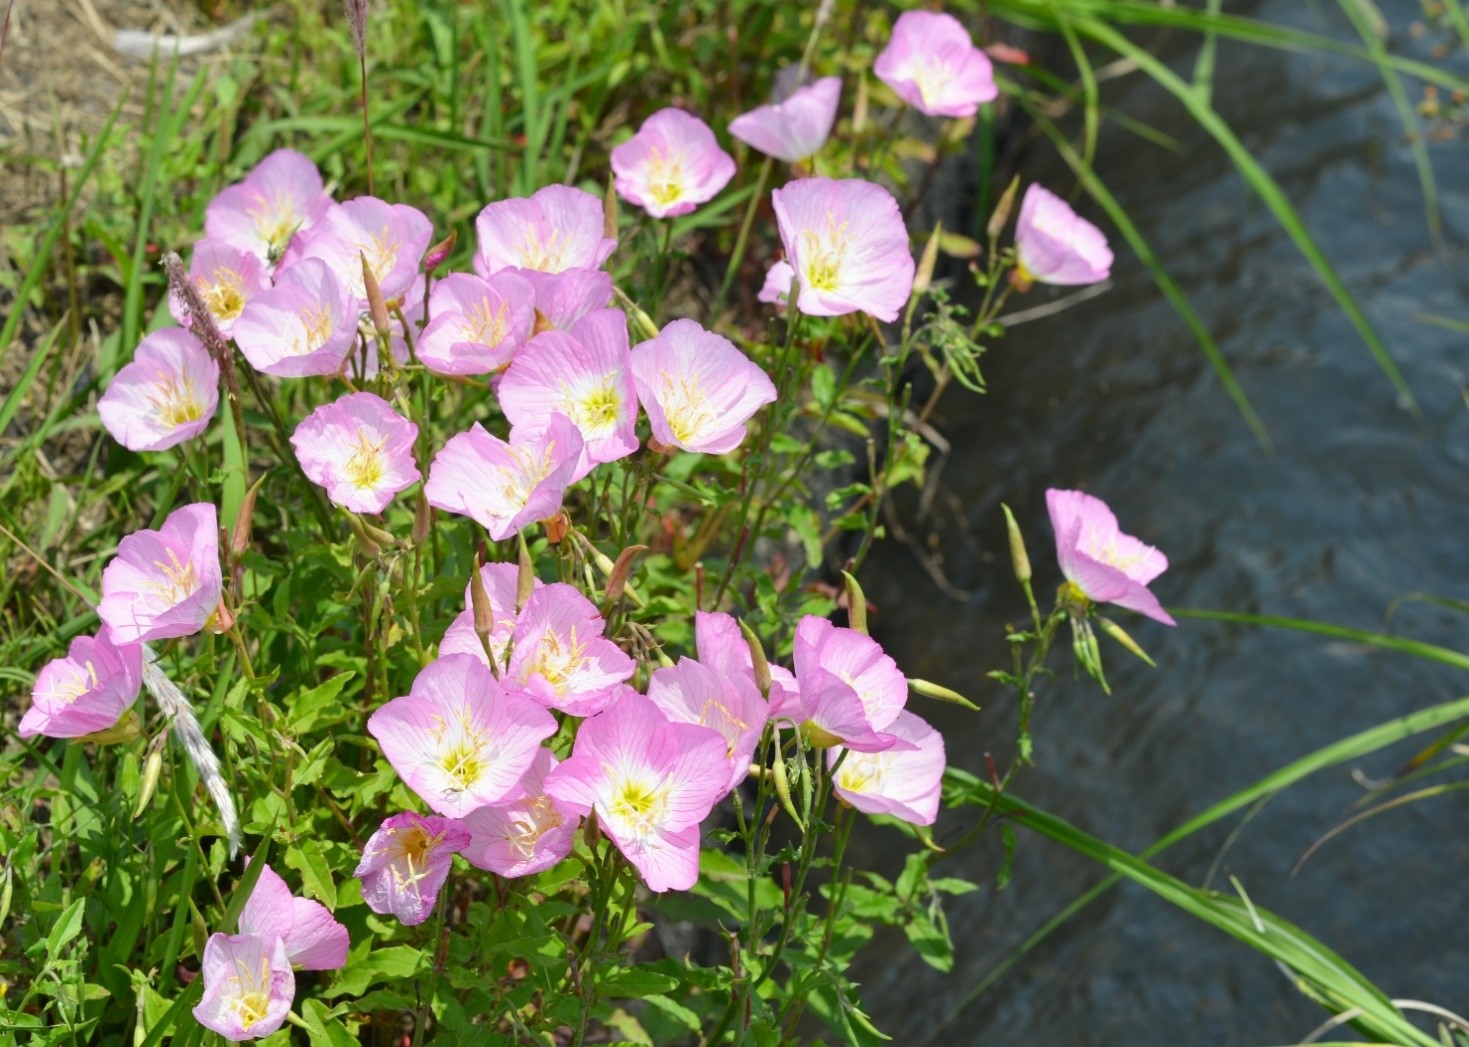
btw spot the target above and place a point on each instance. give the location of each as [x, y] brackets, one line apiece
[324, 1031]
[67, 926]
[634, 982]
[316, 872]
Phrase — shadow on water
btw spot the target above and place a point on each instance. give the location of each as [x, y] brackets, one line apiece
[1360, 505]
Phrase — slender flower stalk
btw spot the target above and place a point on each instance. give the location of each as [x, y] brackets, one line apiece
[357, 21]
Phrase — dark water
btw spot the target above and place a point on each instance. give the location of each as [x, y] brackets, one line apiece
[1360, 505]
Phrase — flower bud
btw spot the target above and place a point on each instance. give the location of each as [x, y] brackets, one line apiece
[1117, 633]
[479, 598]
[439, 251]
[525, 581]
[376, 307]
[924, 276]
[932, 690]
[856, 605]
[621, 570]
[152, 768]
[244, 522]
[783, 786]
[1019, 558]
[1000, 217]
[609, 210]
[423, 516]
[557, 526]
[757, 659]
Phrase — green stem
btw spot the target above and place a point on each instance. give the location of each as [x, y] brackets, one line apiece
[740, 241]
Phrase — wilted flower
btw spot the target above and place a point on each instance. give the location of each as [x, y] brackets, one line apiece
[166, 582]
[248, 986]
[283, 195]
[850, 691]
[1102, 564]
[1055, 245]
[456, 739]
[477, 324]
[651, 783]
[392, 237]
[227, 278]
[85, 692]
[313, 938]
[697, 388]
[555, 229]
[406, 862]
[690, 692]
[524, 836]
[846, 240]
[359, 449]
[165, 396]
[934, 66]
[305, 325]
[795, 127]
[559, 656]
[903, 781]
[672, 165]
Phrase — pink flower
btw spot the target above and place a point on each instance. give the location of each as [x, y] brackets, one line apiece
[456, 739]
[86, 691]
[305, 325]
[796, 127]
[933, 65]
[850, 691]
[559, 656]
[504, 486]
[555, 229]
[227, 278]
[585, 375]
[728, 703]
[721, 646]
[651, 783]
[501, 582]
[698, 389]
[524, 836]
[166, 582]
[776, 290]
[359, 449]
[248, 986]
[1103, 564]
[477, 325]
[1057, 246]
[672, 165]
[564, 298]
[392, 237]
[848, 245]
[280, 197]
[406, 862]
[313, 938]
[902, 781]
[165, 396]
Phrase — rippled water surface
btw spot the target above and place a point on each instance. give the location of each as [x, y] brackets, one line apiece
[1360, 504]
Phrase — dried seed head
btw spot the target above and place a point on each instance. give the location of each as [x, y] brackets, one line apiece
[357, 20]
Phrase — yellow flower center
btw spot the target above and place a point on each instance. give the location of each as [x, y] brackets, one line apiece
[542, 256]
[367, 465]
[222, 294]
[639, 806]
[249, 990]
[276, 222]
[665, 177]
[536, 819]
[821, 255]
[555, 662]
[175, 401]
[685, 407]
[932, 76]
[597, 408]
[175, 581]
[860, 773]
[76, 684]
[316, 328]
[381, 251]
[250, 1008]
[462, 763]
[488, 327]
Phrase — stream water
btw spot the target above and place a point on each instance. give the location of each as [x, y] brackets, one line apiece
[1359, 505]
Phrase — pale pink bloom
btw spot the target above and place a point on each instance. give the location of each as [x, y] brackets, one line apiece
[86, 691]
[227, 278]
[166, 582]
[1055, 245]
[524, 836]
[698, 389]
[456, 739]
[248, 986]
[504, 486]
[846, 240]
[359, 449]
[903, 781]
[721, 645]
[651, 783]
[728, 703]
[934, 66]
[672, 165]
[555, 229]
[559, 656]
[776, 290]
[476, 325]
[392, 237]
[850, 691]
[501, 582]
[165, 396]
[1106, 565]
[564, 298]
[406, 862]
[795, 127]
[280, 197]
[305, 325]
[585, 375]
[314, 940]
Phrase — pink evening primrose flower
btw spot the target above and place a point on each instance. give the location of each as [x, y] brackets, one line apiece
[796, 127]
[651, 783]
[672, 165]
[359, 449]
[314, 940]
[934, 66]
[1099, 561]
[283, 195]
[505, 486]
[305, 325]
[1055, 245]
[406, 862]
[164, 583]
[524, 836]
[564, 298]
[227, 278]
[697, 388]
[248, 986]
[501, 582]
[555, 229]
[721, 645]
[392, 237]
[730, 704]
[902, 781]
[850, 691]
[86, 691]
[586, 375]
[456, 739]
[165, 396]
[846, 240]
[559, 656]
[477, 324]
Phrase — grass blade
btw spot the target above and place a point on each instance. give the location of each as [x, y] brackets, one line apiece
[33, 368]
[1399, 644]
[525, 70]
